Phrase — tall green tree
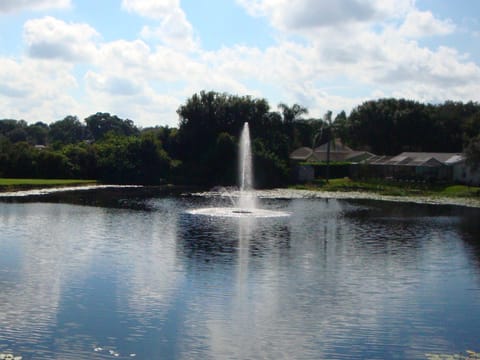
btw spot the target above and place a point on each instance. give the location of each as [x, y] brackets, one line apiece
[389, 126]
[82, 159]
[51, 164]
[38, 133]
[449, 119]
[472, 152]
[101, 124]
[341, 126]
[67, 131]
[5, 153]
[22, 162]
[290, 115]
[326, 135]
[14, 130]
[132, 159]
[305, 132]
[471, 133]
[203, 118]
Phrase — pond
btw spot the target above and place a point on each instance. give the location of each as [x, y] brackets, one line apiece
[336, 279]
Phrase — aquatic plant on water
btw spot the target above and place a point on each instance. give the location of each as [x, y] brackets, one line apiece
[470, 355]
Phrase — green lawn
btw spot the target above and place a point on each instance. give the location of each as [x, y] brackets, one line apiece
[8, 184]
[397, 188]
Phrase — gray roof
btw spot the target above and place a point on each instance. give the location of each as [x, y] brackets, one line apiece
[338, 152]
[301, 154]
[378, 160]
[357, 156]
[427, 159]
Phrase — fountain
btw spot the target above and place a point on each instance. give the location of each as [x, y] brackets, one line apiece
[246, 199]
[246, 202]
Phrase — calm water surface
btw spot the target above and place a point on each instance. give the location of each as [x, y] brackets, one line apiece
[335, 280]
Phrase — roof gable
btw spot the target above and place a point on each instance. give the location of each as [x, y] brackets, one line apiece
[422, 157]
[302, 153]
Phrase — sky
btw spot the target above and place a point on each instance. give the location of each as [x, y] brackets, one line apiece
[142, 59]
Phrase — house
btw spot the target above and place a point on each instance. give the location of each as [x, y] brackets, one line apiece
[338, 153]
[425, 166]
[421, 166]
[464, 174]
[301, 154]
[310, 163]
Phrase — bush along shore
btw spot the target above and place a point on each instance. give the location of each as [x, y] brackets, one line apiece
[393, 188]
[448, 194]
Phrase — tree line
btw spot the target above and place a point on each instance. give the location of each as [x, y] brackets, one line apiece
[202, 150]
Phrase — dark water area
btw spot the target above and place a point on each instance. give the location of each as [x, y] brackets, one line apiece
[138, 277]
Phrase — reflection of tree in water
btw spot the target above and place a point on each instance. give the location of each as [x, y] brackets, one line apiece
[403, 228]
[132, 198]
[208, 238]
[470, 232]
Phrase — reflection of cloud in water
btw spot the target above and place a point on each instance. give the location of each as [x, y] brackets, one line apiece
[67, 250]
[153, 269]
[50, 257]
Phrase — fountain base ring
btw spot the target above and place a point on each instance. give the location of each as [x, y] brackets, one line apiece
[237, 212]
[242, 212]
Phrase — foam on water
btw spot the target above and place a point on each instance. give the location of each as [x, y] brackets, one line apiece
[236, 212]
[45, 191]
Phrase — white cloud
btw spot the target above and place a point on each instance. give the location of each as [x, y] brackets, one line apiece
[120, 54]
[50, 38]
[422, 23]
[307, 14]
[113, 85]
[156, 9]
[354, 49]
[10, 6]
[311, 13]
[148, 84]
[134, 81]
[144, 105]
[344, 57]
[36, 90]
[174, 30]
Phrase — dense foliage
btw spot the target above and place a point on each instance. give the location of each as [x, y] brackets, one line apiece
[104, 147]
[390, 126]
[203, 149]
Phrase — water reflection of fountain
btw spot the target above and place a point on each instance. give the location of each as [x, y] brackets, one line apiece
[246, 204]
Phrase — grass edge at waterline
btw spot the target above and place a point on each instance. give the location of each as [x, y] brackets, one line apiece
[12, 184]
[393, 188]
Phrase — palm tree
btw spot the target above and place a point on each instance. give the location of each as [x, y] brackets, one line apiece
[290, 115]
[326, 131]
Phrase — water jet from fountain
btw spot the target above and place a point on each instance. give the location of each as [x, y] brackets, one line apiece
[246, 205]
[247, 200]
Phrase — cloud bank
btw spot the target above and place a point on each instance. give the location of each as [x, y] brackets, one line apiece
[12, 6]
[324, 55]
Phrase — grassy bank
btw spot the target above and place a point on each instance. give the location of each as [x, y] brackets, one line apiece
[394, 188]
[8, 184]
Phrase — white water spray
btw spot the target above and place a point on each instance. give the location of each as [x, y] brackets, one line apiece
[247, 198]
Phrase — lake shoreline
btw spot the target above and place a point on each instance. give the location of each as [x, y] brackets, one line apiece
[36, 193]
[417, 199]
